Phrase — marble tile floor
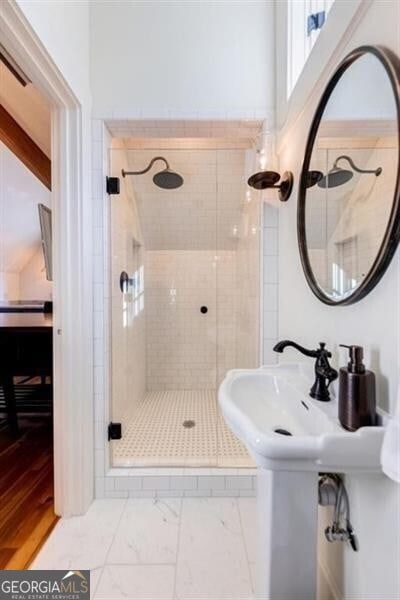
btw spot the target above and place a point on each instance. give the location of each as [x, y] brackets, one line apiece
[165, 549]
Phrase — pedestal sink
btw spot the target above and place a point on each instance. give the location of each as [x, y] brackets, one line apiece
[292, 439]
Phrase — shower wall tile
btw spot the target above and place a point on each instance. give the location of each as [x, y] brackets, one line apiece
[271, 269]
[212, 125]
[184, 345]
[156, 483]
[183, 483]
[128, 483]
[270, 298]
[212, 483]
[239, 482]
[270, 215]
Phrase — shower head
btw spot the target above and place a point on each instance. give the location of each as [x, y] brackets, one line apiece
[168, 180]
[165, 179]
[337, 176]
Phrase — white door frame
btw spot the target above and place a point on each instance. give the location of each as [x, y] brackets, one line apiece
[72, 258]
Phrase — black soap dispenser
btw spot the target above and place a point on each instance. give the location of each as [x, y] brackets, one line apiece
[357, 403]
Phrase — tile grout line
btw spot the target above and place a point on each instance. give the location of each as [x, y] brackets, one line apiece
[178, 549]
[93, 595]
[111, 543]
[245, 545]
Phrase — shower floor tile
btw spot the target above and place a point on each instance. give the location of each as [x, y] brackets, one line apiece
[155, 435]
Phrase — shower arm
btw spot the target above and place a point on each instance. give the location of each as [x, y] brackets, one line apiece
[153, 160]
[376, 172]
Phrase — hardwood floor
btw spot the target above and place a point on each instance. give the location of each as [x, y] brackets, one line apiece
[26, 492]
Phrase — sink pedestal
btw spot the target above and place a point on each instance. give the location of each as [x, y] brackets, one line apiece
[287, 507]
[258, 405]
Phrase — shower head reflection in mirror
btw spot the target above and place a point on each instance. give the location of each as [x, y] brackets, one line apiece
[338, 176]
[349, 193]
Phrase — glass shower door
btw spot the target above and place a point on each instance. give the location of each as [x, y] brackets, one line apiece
[164, 321]
[238, 252]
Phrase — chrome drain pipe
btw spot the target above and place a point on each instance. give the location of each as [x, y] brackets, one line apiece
[332, 492]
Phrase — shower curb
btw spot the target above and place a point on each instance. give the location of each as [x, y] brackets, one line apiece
[176, 483]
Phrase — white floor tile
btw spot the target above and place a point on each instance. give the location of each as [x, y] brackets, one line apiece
[249, 518]
[95, 575]
[139, 582]
[212, 563]
[82, 542]
[147, 533]
[253, 574]
[166, 549]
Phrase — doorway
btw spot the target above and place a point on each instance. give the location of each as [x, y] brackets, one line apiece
[26, 342]
[72, 261]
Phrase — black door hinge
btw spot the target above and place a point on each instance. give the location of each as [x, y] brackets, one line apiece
[112, 185]
[114, 431]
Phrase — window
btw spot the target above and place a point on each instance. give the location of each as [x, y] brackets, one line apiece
[305, 19]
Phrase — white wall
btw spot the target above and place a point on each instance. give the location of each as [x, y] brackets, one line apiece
[33, 284]
[167, 58]
[371, 574]
[63, 28]
[21, 277]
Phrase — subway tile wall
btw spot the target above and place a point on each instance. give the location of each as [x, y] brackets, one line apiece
[183, 342]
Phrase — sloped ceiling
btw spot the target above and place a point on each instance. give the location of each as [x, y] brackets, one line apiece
[20, 193]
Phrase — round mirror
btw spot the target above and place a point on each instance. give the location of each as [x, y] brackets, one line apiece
[349, 196]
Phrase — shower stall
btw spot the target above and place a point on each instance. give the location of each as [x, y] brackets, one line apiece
[184, 243]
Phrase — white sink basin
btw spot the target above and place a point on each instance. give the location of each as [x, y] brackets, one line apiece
[255, 403]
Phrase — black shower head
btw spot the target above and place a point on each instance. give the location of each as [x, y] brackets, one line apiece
[168, 180]
[165, 179]
[335, 177]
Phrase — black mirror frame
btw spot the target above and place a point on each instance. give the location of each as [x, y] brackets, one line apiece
[391, 64]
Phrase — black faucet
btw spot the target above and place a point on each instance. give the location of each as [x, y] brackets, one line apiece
[324, 373]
